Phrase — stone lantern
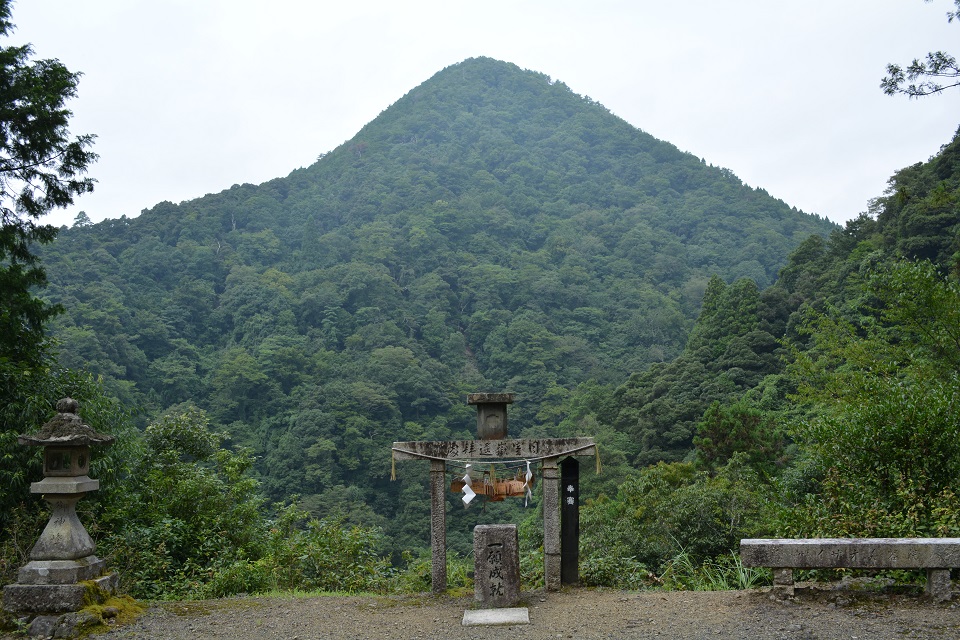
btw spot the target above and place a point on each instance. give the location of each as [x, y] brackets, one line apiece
[491, 414]
[64, 554]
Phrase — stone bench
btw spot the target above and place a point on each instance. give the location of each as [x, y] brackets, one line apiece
[936, 555]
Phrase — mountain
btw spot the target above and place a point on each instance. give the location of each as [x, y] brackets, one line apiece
[490, 231]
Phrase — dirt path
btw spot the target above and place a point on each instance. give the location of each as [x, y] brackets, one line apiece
[574, 613]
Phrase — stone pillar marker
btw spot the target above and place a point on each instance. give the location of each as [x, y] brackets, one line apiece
[496, 576]
[63, 557]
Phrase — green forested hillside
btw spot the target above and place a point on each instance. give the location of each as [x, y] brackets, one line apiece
[491, 230]
[737, 347]
[824, 405]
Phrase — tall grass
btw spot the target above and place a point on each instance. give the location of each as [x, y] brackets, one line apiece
[724, 573]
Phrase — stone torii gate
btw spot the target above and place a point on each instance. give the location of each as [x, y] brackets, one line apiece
[493, 445]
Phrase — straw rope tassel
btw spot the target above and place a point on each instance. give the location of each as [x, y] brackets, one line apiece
[599, 466]
[393, 466]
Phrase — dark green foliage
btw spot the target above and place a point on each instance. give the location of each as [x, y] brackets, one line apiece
[872, 390]
[734, 350]
[730, 351]
[740, 427]
[188, 521]
[187, 508]
[885, 432]
[40, 167]
[666, 510]
[305, 554]
[22, 525]
[491, 230]
[40, 170]
[22, 315]
[920, 212]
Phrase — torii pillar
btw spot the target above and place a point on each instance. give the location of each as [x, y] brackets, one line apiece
[551, 524]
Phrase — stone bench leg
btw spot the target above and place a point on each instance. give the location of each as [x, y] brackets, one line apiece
[938, 584]
[783, 582]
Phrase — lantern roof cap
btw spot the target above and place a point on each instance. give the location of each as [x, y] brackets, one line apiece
[65, 428]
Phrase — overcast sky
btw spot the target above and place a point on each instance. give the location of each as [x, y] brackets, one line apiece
[188, 97]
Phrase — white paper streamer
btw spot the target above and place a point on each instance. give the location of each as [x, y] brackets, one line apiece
[528, 477]
[468, 492]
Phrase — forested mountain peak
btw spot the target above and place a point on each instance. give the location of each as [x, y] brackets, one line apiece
[484, 125]
[491, 230]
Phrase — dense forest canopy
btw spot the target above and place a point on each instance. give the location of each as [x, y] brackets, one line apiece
[491, 230]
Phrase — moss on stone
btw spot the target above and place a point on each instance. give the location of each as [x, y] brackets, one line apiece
[113, 612]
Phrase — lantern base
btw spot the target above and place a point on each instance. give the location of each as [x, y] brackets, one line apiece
[56, 598]
[60, 571]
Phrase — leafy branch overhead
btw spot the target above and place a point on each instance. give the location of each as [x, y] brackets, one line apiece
[937, 73]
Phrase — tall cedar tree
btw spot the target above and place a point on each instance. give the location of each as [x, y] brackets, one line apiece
[41, 169]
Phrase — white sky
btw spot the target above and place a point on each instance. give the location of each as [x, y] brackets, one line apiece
[188, 97]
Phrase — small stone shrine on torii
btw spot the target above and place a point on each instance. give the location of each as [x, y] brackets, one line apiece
[492, 445]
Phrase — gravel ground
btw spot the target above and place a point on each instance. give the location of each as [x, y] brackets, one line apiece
[814, 613]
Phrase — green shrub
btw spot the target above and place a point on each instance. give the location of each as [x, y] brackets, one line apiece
[417, 575]
[187, 510]
[242, 576]
[884, 441]
[606, 570]
[530, 536]
[24, 524]
[669, 509]
[304, 553]
[724, 573]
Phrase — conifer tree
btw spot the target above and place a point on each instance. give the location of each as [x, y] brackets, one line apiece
[41, 169]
